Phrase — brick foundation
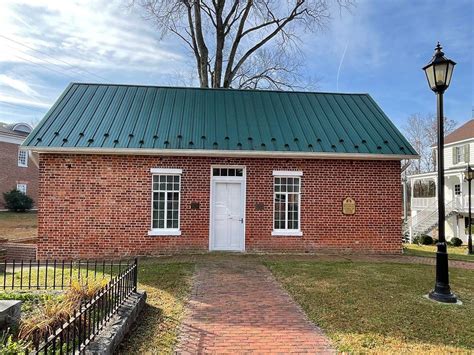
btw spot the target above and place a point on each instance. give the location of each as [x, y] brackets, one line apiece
[95, 206]
[19, 251]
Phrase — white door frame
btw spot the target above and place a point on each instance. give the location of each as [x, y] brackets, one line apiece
[236, 179]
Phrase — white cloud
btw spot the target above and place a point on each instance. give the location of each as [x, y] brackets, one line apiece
[24, 102]
[18, 85]
[45, 44]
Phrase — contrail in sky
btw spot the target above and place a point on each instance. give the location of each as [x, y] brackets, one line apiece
[340, 65]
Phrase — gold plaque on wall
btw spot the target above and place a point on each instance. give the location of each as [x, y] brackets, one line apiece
[348, 206]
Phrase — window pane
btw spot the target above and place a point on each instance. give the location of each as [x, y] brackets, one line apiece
[166, 201]
[286, 202]
[239, 172]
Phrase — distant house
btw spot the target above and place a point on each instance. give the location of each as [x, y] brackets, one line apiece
[458, 153]
[18, 167]
[139, 170]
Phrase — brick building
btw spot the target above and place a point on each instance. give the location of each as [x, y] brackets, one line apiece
[18, 167]
[136, 170]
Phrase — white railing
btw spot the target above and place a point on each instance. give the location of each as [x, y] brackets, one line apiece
[464, 203]
[422, 202]
[427, 219]
[461, 202]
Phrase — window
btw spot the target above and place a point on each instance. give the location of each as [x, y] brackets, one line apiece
[457, 189]
[21, 188]
[22, 158]
[227, 172]
[287, 193]
[458, 154]
[424, 188]
[166, 202]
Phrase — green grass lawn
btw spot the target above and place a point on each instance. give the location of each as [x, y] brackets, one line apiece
[367, 307]
[167, 286]
[455, 253]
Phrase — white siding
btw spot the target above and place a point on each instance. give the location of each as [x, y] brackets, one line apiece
[448, 155]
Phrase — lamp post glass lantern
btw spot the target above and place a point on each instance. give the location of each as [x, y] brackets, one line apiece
[438, 73]
[468, 176]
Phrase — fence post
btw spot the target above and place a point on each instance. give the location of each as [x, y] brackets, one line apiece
[135, 275]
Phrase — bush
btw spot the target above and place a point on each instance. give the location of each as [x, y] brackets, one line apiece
[17, 201]
[456, 242]
[81, 291]
[416, 239]
[45, 319]
[426, 239]
[9, 346]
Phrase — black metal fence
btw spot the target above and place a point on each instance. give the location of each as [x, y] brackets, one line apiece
[55, 275]
[89, 319]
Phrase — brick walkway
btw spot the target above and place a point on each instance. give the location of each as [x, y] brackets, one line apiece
[237, 306]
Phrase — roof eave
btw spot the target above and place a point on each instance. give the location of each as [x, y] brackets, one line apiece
[222, 153]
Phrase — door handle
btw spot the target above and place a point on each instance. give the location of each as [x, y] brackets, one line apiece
[241, 220]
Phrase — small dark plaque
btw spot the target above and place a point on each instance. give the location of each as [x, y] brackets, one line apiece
[259, 206]
[194, 205]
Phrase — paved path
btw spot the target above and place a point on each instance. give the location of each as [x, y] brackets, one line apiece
[236, 306]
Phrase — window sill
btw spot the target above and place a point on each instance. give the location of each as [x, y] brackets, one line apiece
[287, 233]
[165, 232]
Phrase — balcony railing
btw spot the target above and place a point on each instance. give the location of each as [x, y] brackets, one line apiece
[422, 202]
[461, 203]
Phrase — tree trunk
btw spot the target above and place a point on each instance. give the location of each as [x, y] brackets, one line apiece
[203, 51]
[220, 37]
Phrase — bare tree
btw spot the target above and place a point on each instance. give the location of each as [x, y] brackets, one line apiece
[242, 43]
[421, 132]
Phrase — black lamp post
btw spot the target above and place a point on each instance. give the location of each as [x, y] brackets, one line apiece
[468, 176]
[439, 72]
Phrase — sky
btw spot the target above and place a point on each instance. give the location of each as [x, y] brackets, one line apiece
[378, 47]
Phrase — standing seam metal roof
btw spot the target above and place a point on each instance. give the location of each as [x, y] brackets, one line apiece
[151, 117]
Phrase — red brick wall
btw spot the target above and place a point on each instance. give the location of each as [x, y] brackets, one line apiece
[94, 206]
[12, 174]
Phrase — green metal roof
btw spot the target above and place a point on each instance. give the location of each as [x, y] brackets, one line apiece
[100, 116]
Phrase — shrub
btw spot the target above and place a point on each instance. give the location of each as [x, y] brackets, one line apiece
[8, 346]
[416, 239]
[53, 312]
[456, 242]
[81, 291]
[46, 318]
[17, 201]
[426, 239]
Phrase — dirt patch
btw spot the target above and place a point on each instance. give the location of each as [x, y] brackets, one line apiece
[22, 227]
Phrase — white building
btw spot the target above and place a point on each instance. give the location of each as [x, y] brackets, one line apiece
[458, 153]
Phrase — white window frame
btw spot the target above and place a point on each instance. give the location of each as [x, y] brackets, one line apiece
[20, 188]
[459, 150]
[287, 232]
[22, 152]
[165, 231]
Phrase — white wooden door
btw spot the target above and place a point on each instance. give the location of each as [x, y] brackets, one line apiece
[228, 222]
